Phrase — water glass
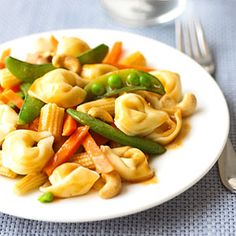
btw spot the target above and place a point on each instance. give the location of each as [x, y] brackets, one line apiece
[144, 12]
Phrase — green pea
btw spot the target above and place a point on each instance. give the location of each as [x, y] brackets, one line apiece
[97, 89]
[145, 81]
[114, 81]
[133, 79]
[46, 197]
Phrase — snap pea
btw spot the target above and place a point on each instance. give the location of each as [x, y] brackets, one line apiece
[30, 110]
[114, 81]
[117, 81]
[28, 72]
[95, 55]
[125, 90]
[24, 87]
[116, 135]
[97, 89]
[25, 71]
[133, 79]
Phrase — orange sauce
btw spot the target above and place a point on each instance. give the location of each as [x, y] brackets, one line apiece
[178, 141]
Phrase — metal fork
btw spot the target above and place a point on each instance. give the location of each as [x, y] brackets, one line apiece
[190, 39]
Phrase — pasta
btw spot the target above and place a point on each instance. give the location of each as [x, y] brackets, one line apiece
[169, 130]
[71, 46]
[131, 163]
[92, 71]
[87, 118]
[26, 151]
[71, 179]
[171, 82]
[59, 86]
[8, 121]
[135, 117]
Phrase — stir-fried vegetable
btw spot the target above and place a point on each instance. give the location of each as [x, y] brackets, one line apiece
[13, 98]
[100, 160]
[30, 110]
[69, 126]
[67, 149]
[95, 55]
[24, 87]
[116, 135]
[114, 55]
[122, 81]
[46, 197]
[25, 71]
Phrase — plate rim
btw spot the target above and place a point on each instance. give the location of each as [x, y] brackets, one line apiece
[153, 204]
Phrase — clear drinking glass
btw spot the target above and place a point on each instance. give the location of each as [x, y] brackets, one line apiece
[144, 12]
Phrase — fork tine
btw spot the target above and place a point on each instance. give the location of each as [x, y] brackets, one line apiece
[201, 38]
[194, 40]
[179, 36]
[187, 40]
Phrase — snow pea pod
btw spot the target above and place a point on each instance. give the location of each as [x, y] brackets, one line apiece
[24, 87]
[125, 80]
[25, 71]
[28, 72]
[116, 135]
[30, 110]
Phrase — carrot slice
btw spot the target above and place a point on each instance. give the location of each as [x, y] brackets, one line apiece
[100, 160]
[122, 66]
[69, 126]
[13, 97]
[114, 55]
[34, 125]
[16, 88]
[2, 65]
[67, 149]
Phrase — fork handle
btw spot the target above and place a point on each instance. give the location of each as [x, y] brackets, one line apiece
[227, 167]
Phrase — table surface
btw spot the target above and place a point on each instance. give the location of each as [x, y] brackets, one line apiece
[205, 209]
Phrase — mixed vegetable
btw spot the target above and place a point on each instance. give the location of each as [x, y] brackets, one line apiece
[74, 118]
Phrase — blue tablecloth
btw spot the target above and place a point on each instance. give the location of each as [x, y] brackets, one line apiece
[205, 209]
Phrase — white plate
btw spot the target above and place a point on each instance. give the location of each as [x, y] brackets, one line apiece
[177, 169]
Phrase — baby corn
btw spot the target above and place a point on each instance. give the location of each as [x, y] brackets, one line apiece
[84, 160]
[107, 104]
[4, 171]
[51, 119]
[29, 182]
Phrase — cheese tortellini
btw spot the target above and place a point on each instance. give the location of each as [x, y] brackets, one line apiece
[26, 151]
[130, 163]
[165, 133]
[71, 46]
[92, 71]
[8, 121]
[134, 116]
[60, 86]
[171, 83]
[71, 179]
